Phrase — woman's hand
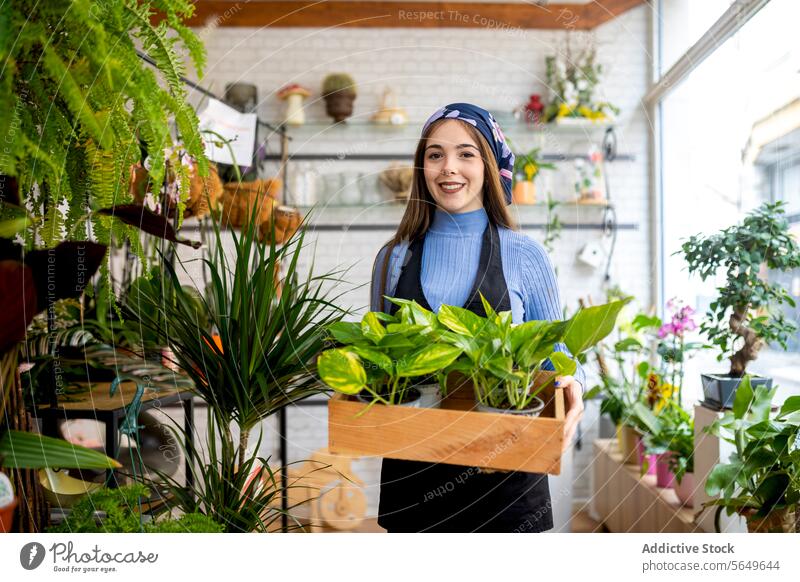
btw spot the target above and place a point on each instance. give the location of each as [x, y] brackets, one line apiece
[573, 396]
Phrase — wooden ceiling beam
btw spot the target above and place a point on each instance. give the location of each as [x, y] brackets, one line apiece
[506, 16]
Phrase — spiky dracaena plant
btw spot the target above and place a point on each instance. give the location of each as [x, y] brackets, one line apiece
[270, 327]
[76, 101]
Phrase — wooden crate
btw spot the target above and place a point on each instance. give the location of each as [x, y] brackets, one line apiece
[454, 433]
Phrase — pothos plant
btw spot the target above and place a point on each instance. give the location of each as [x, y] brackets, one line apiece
[747, 312]
[385, 355]
[501, 359]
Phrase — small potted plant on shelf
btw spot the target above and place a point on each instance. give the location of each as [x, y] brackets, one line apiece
[573, 82]
[389, 359]
[624, 367]
[339, 91]
[681, 462]
[761, 481]
[668, 442]
[747, 314]
[526, 168]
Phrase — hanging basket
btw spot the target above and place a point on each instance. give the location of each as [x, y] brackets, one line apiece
[238, 200]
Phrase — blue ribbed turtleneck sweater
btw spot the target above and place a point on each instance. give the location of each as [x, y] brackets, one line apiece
[450, 259]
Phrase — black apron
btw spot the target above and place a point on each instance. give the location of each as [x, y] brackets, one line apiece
[438, 497]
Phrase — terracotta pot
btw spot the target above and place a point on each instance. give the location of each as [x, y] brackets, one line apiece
[238, 199]
[287, 220]
[7, 516]
[524, 192]
[339, 105]
[627, 441]
[664, 476]
[778, 521]
[651, 459]
[685, 489]
[203, 191]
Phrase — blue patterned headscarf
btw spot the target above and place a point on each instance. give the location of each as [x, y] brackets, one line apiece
[484, 122]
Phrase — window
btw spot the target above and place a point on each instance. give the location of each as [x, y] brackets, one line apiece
[729, 140]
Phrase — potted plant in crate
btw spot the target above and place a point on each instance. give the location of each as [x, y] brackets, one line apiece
[761, 481]
[390, 358]
[747, 312]
[508, 364]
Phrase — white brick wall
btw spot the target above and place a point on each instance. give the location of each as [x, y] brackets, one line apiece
[428, 68]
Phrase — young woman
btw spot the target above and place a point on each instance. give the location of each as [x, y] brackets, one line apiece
[456, 239]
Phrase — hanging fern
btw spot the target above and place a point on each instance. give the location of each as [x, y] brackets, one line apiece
[77, 105]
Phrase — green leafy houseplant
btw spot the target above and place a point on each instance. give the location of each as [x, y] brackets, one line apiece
[256, 355]
[385, 355]
[673, 432]
[761, 481]
[500, 359]
[528, 165]
[76, 102]
[338, 82]
[623, 384]
[747, 312]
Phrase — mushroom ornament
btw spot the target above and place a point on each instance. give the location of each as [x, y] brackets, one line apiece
[293, 95]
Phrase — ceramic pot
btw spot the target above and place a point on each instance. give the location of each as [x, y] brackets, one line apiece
[431, 395]
[339, 105]
[7, 516]
[664, 476]
[685, 489]
[720, 389]
[524, 192]
[414, 400]
[535, 410]
[627, 441]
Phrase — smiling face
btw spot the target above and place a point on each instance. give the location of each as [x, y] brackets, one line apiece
[453, 168]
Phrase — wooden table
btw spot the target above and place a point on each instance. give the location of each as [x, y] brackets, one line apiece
[96, 403]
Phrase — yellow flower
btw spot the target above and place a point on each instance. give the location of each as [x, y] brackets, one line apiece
[531, 170]
[658, 394]
[564, 110]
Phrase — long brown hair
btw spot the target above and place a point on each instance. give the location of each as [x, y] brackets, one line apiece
[421, 206]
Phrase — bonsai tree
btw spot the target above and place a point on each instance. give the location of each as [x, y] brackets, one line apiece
[747, 313]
